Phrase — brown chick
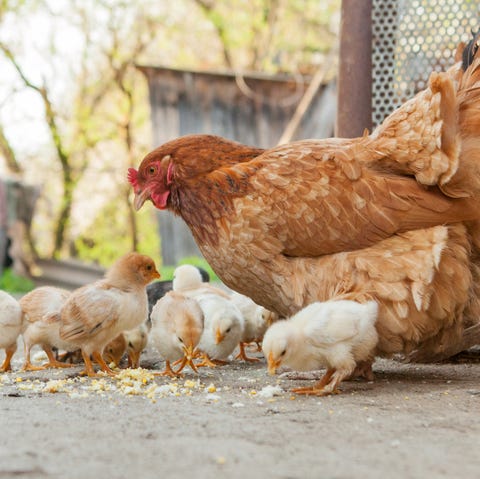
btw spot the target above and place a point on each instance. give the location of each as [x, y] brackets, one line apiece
[95, 314]
[41, 324]
[115, 349]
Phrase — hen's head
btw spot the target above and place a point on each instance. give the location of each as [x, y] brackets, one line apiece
[173, 164]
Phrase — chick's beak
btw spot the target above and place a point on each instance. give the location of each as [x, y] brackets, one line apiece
[218, 336]
[272, 363]
[189, 352]
[140, 197]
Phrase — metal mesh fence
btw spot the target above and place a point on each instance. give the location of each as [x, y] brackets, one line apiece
[410, 39]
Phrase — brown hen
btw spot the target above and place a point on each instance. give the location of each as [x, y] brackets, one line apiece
[391, 216]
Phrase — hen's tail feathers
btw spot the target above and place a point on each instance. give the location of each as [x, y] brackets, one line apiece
[420, 138]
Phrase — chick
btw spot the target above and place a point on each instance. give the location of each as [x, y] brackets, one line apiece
[257, 320]
[10, 327]
[223, 330]
[335, 334]
[95, 314]
[41, 325]
[177, 325]
[136, 340]
[158, 289]
[188, 280]
[115, 349]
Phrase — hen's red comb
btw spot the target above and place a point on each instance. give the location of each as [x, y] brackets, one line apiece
[132, 177]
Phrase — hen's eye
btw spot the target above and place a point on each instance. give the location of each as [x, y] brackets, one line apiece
[152, 170]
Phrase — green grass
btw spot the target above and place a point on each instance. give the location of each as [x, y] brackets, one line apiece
[13, 283]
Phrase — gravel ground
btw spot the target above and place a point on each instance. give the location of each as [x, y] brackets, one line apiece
[235, 421]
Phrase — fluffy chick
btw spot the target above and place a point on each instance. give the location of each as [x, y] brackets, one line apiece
[10, 327]
[257, 320]
[41, 325]
[223, 330]
[189, 280]
[115, 349]
[136, 340]
[95, 314]
[158, 289]
[177, 325]
[335, 334]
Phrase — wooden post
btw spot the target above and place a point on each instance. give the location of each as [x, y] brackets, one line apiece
[354, 104]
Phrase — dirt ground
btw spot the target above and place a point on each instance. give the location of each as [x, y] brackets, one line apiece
[235, 421]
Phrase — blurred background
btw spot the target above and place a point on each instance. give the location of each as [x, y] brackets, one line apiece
[88, 87]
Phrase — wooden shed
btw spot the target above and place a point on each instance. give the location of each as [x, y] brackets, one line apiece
[253, 109]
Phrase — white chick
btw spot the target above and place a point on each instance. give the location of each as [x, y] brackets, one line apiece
[10, 327]
[95, 314]
[335, 334]
[41, 325]
[177, 325]
[187, 279]
[223, 330]
[136, 342]
[257, 320]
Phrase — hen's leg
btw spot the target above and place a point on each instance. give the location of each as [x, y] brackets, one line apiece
[7, 366]
[242, 354]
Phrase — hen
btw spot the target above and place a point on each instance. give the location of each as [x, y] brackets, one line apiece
[391, 216]
[337, 334]
[95, 314]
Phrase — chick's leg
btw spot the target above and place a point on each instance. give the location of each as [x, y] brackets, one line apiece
[242, 354]
[27, 365]
[103, 365]
[328, 384]
[211, 363]
[168, 370]
[88, 366]
[7, 366]
[52, 361]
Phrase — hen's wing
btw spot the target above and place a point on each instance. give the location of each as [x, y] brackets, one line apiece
[89, 311]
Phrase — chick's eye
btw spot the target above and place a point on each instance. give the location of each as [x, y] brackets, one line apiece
[180, 339]
[283, 352]
[149, 268]
[228, 330]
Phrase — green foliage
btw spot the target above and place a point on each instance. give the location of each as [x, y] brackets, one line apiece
[12, 283]
[105, 240]
[167, 271]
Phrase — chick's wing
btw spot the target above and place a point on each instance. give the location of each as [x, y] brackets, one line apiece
[89, 311]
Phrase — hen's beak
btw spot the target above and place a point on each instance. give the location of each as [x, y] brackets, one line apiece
[273, 364]
[140, 197]
[218, 336]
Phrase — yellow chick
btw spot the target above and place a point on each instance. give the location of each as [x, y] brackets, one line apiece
[257, 320]
[95, 314]
[177, 325]
[10, 327]
[335, 334]
[41, 325]
[136, 340]
[223, 329]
